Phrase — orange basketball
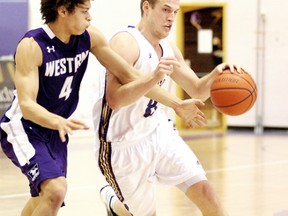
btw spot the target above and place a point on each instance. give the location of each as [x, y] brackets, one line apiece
[233, 93]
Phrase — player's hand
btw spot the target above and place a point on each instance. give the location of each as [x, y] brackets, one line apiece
[189, 111]
[165, 67]
[232, 67]
[67, 126]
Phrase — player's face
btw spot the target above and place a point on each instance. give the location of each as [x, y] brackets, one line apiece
[162, 17]
[80, 19]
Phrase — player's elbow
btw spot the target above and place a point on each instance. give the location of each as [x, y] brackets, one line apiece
[25, 110]
[114, 106]
[200, 93]
[114, 102]
[119, 99]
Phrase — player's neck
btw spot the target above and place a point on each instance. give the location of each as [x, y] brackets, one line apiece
[59, 32]
[149, 36]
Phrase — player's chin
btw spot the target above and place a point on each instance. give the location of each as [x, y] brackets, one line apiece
[165, 34]
[80, 31]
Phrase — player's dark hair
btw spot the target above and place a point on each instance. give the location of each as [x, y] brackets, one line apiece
[49, 8]
[151, 2]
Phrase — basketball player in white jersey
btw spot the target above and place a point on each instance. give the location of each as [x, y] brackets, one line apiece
[138, 145]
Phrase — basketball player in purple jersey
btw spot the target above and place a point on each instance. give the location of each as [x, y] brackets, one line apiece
[50, 64]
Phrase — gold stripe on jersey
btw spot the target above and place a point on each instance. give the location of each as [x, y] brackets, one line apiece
[105, 150]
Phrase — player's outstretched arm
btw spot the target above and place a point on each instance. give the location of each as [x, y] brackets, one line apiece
[119, 95]
[188, 109]
[187, 79]
[28, 58]
[110, 59]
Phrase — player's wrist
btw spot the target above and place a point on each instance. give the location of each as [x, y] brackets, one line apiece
[157, 77]
[176, 105]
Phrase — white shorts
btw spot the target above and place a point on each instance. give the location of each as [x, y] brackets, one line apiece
[162, 157]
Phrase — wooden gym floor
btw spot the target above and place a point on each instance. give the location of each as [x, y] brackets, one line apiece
[249, 173]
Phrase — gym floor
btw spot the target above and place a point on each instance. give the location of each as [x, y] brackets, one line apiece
[249, 173]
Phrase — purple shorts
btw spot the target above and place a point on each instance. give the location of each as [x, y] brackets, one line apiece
[39, 153]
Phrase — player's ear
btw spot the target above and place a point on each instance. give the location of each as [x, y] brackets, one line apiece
[62, 11]
[145, 7]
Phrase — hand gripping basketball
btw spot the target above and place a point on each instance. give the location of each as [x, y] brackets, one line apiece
[233, 93]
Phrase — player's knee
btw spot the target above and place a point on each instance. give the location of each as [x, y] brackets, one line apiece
[54, 192]
[202, 191]
[57, 196]
[210, 200]
[209, 194]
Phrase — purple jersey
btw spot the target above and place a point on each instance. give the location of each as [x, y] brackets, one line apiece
[38, 151]
[62, 70]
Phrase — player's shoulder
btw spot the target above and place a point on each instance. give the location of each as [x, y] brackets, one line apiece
[123, 37]
[34, 31]
[171, 44]
[28, 44]
[127, 33]
[97, 38]
[29, 48]
[175, 49]
[92, 30]
[33, 38]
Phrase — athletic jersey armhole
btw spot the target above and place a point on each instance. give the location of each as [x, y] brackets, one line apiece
[136, 42]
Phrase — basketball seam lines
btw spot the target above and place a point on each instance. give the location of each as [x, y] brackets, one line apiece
[237, 102]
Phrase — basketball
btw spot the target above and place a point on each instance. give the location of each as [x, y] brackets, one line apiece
[233, 93]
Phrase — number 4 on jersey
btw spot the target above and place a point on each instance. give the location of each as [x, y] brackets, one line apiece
[66, 89]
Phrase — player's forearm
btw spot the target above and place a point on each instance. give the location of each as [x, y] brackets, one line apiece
[204, 85]
[119, 96]
[163, 96]
[120, 68]
[39, 115]
[126, 74]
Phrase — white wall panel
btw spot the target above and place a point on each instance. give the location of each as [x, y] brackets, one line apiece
[275, 63]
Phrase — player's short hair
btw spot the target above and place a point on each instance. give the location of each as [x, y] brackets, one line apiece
[49, 8]
[151, 2]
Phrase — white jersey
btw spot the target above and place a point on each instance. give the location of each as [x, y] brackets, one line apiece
[136, 120]
[138, 147]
